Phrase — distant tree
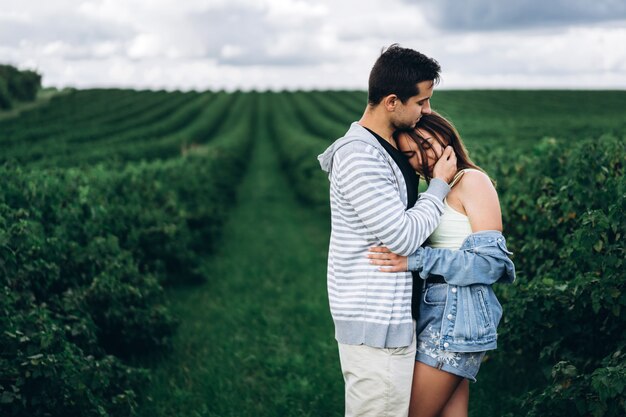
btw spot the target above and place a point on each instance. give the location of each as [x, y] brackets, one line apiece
[20, 85]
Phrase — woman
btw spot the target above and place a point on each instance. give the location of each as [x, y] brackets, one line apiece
[459, 311]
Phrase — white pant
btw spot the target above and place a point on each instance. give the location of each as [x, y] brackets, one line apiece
[378, 380]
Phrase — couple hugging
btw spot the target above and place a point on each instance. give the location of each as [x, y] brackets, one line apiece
[410, 276]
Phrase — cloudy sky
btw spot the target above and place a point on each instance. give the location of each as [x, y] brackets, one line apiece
[305, 44]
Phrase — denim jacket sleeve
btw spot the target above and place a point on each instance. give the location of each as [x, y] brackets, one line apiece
[482, 259]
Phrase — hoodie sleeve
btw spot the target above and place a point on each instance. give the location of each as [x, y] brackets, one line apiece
[366, 182]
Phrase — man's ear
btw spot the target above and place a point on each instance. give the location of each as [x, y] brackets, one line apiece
[390, 102]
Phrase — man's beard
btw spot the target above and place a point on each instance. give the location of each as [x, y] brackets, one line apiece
[404, 126]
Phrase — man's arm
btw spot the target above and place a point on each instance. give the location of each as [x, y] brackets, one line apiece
[366, 181]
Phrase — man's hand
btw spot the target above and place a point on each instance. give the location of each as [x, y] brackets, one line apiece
[445, 168]
[389, 262]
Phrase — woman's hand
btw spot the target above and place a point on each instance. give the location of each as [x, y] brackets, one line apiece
[388, 261]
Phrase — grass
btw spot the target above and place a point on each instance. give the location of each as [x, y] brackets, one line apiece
[257, 338]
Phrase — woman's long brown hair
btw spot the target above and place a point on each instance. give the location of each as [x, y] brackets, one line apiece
[444, 132]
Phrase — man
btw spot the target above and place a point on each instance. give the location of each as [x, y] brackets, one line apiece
[373, 198]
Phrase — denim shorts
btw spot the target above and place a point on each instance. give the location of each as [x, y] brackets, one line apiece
[432, 305]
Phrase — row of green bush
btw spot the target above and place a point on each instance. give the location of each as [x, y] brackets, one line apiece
[564, 331]
[84, 255]
[16, 85]
[39, 138]
[298, 147]
[90, 114]
[518, 118]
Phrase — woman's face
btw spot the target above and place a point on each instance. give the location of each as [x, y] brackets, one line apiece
[432, 148]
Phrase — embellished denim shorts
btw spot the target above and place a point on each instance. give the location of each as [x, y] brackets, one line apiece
[463, 364]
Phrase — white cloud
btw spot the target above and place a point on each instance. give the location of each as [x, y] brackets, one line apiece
[105, 49]
[302, 43]
[146, 45]
[231, 51]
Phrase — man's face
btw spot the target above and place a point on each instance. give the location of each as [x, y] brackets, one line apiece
[408, 114]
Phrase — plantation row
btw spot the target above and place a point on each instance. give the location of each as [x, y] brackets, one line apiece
[85, 253]
[563, 208]
[151, 125]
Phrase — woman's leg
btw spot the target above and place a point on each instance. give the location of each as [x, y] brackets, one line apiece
[458, 404]
[431, 391]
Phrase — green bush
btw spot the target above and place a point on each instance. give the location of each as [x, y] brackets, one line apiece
[564, 208]
[44, 374]
[601, 392]
[84, 253]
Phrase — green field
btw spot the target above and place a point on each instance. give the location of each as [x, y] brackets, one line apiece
[164, 253]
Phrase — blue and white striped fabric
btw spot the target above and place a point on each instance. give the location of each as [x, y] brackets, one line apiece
[368, 207]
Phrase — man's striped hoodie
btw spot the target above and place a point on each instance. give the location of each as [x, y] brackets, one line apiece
[368, 200]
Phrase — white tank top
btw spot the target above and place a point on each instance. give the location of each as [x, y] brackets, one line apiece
[454, 226]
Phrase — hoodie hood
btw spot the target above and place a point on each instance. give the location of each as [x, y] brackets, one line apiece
[355, 133]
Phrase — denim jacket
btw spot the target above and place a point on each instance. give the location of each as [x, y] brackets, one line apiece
[472, 311]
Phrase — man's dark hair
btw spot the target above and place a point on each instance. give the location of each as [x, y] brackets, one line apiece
[397, 71]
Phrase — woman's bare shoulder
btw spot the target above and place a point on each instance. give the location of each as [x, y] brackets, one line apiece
[480, 200]
[474, 180]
